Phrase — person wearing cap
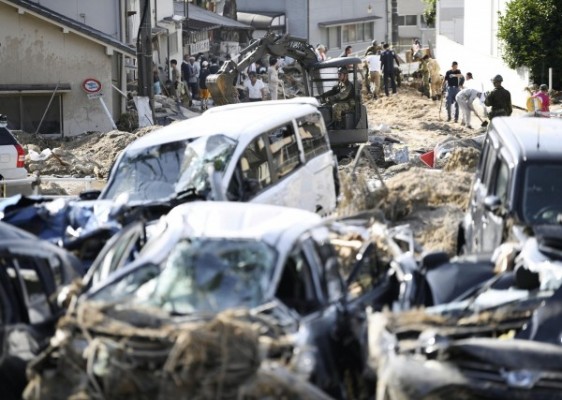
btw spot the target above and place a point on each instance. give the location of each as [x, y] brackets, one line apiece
[388, 58]
[374, 48]
[499, 99]
[453, 81]
[203, 90]
[340, 97]
[255, 87]
[542, 94]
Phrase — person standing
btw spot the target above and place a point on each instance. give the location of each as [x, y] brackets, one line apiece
[185, 70]
[176, 80]
[193, 78]
[374, 63]
[453, 80]
[499, 99]
[347, 52]
[203, 90]
[388, 57]
[465, 99]
[255, 87]
[214, 67]
[272, 78]
[542, 94]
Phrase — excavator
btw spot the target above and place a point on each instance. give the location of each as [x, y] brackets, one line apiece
[318, 77]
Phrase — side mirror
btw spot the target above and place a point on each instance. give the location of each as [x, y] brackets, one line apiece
[92, 194]
[493, 204]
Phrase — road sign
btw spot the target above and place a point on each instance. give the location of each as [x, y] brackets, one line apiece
[95, 95]
[91, 85]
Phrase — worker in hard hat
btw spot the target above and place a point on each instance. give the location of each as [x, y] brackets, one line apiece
[499, 99]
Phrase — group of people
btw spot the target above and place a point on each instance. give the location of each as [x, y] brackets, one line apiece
[189, 81]
[461, 92]
[255, 88]
[383, 63]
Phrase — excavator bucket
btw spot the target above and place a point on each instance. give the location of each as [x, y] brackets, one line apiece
[222, 88]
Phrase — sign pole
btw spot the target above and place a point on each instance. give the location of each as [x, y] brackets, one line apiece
[107, 113]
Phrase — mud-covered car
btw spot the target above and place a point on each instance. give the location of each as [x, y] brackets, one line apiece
[32, 274]
[499, 341]
[310, 278]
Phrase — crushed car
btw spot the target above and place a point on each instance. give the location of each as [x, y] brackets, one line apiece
[499, 340]
[303, 280]
[33, 275]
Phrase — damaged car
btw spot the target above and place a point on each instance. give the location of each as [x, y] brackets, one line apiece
[305, 281]
[229, 154]
[33, 273]
[500, 340]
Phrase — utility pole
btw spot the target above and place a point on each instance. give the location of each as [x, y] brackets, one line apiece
[144, 55]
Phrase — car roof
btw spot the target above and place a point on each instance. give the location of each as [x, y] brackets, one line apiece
[530, 138]
[235, 121]
[266, 222]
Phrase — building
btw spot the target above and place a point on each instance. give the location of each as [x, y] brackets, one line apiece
[50, 62]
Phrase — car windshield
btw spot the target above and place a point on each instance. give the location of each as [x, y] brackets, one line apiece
[541, 200]
[201, 275]
[162, 171]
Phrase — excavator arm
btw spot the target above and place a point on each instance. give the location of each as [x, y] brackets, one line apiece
[222, 85]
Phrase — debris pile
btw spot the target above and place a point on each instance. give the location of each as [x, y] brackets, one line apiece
[91, 154]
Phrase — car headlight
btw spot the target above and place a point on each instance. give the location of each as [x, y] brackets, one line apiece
[521, 379]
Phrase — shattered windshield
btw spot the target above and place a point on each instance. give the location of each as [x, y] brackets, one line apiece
[541, 200]
[161, 171]
[204, 275]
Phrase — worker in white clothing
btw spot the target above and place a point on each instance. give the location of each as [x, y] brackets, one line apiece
[465, 99]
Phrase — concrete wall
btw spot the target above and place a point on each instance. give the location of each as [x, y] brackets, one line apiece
[484, 67]
[450, 20]
[484, 15]
[36, 52]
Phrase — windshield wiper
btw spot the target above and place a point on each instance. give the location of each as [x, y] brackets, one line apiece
[191, 193]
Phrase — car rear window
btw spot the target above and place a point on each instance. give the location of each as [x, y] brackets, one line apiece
[6, 138]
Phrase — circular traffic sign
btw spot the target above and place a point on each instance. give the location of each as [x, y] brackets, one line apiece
[91, 85]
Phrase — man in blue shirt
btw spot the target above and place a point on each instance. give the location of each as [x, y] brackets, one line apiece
[388, 57]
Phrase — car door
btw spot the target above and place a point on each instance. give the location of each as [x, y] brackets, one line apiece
[293, 185]
[473, 225]
[493, 220]
[320, 168]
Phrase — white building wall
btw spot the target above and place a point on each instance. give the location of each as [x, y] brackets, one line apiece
[36, 52]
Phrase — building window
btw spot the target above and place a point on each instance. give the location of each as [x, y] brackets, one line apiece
[27, 112]
[354, 33]
[334, 37]
[407, 20]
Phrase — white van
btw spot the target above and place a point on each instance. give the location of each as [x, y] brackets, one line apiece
[274, 152]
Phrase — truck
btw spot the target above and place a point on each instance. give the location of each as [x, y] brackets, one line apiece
[318, 77]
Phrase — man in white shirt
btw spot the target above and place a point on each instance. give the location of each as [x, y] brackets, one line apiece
[255, 87]
[465, 99]
[374, 62]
